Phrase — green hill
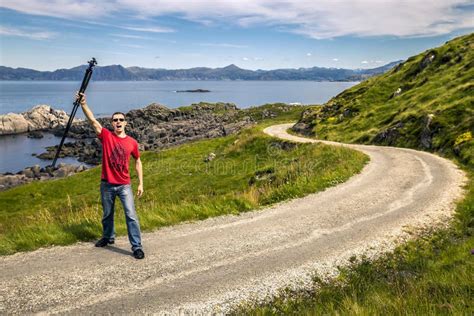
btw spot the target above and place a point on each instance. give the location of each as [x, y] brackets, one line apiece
[425, 103]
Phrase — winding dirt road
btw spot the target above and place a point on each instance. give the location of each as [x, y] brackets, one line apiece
[215, 264]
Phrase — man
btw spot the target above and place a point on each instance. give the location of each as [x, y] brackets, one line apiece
[115, 179]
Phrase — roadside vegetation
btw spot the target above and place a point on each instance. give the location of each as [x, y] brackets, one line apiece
[432, 111]
[250, 170]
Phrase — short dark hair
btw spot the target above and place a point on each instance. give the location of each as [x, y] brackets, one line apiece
[115, 113]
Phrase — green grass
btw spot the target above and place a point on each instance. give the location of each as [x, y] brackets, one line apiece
[442, 92]
[434, 273]
[250, 170]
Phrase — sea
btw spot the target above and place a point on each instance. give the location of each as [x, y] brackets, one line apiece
[106, 97]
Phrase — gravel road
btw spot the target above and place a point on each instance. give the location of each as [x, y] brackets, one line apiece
[213, 265]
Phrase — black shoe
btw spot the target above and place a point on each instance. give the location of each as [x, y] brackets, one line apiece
[104, 242]
[139, 254]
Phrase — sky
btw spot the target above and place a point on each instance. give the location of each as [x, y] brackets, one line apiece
[252, 34]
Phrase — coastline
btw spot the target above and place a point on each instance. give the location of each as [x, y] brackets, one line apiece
[155, 127]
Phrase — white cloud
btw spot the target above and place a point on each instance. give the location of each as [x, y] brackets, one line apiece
[62, 8]
[131, 36]
[335, 59]
[245, 58]
[156, 29]
[308, 54]
[372, 62]
[132, 45]
[316, 19]
[223, 45]
[27, 33]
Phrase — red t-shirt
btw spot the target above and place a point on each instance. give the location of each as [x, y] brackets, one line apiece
[116, 153]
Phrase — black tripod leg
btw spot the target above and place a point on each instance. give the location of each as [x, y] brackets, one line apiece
[69, 123]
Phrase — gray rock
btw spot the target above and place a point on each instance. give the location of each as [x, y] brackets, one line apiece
[390, 135]
[210, 157]
[27, 172]
[35, 134]
[426, 134]
[10, 181]
[397, 92]
[302, 128]
[39, 117]
[36, 170]
[81, 168]
[12, 123]
[428, 59]
[60, 173]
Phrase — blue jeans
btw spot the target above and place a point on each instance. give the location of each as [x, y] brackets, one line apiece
[108, 193]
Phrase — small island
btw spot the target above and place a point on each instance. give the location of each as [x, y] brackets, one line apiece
[194, 91]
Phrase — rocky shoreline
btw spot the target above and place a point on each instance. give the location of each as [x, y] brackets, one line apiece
[9, 180]
[154, 127]
[40, 117]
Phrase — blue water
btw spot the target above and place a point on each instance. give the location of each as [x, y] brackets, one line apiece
[106, 97]
[17, 150]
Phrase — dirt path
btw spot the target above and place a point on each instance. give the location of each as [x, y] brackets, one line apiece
[214, 264]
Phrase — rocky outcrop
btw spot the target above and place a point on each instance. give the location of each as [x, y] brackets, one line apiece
[305, 125]
[156, 127]
[87, 151]
[426, 134]
[40, 117]
[10, 180]
[390, 135]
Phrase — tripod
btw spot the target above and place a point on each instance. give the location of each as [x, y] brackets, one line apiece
[85, 82]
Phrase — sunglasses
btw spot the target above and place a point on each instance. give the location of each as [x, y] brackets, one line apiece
[119, 119]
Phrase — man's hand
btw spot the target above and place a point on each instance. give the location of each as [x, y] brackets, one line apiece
[140, 190]
[83, 98]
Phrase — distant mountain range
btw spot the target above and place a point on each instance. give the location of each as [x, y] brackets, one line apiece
[231, 72]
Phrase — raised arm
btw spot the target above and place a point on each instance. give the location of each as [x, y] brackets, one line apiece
[90, 116]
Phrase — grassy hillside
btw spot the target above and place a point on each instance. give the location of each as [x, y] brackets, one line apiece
[424, 103]
[250, 170]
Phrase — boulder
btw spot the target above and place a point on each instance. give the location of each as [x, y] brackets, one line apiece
[210, 157]
[9, 181]
[427, 59]
[13, 123]
[35, 134]
[39, 117]
[426, 134]
[45, 117]
[36, 170]
[397, 92]
[302, 128]
[390, 135]
[27, 172]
